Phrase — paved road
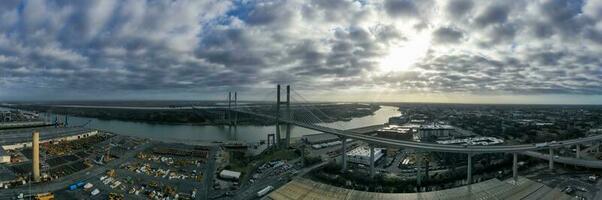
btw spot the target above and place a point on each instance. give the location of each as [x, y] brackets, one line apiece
[209, 174]
[65, 181]
[599, 193]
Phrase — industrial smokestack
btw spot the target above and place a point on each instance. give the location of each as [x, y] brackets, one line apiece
[36, 156]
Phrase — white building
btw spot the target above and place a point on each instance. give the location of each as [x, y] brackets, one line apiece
[483, 141]
[434, 130]
[361, 155]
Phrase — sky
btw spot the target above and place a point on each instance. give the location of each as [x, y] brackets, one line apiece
[457, 51]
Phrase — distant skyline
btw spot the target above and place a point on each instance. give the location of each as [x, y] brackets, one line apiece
[456, 51]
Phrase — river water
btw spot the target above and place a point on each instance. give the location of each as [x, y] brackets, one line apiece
[191, 134]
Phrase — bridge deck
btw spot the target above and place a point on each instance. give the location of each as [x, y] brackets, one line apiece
[428, 146]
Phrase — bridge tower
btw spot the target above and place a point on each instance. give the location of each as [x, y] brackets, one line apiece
[235, 121]
[287, 116]
[232, 117]
[278, 115]
[229, 113]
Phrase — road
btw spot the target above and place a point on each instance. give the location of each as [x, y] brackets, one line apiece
[63, 182]
[209, 174]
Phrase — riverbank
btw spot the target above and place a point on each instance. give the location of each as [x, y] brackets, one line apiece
[208, 115]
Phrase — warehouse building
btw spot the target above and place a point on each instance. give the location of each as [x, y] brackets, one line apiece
[21, 138]
[320, 138]
[361, 155]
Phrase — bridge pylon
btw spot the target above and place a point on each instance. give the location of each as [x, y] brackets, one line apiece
[232, 117]
[287, 116]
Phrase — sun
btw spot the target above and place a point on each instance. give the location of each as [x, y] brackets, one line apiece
[402, 56]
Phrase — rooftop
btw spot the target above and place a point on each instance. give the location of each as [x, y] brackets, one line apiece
[24, 135]
[302, 189]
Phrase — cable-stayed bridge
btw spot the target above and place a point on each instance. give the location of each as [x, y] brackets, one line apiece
[312, 118]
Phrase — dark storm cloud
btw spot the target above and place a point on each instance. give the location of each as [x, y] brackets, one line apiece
[518, 47]
[447, 35]
[493, 14]
[459, 8]
[401, 8]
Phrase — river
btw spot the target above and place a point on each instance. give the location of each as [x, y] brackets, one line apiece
[191, 134]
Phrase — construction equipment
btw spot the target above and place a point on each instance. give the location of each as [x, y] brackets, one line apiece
[115, 196]
[111, 173]
[45, 196]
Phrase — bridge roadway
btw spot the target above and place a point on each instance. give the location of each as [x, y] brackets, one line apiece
[566, 160]
[432, 146]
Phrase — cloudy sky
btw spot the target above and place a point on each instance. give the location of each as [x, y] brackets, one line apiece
[531, 51]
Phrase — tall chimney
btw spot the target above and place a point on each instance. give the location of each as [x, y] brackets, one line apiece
[36, 156]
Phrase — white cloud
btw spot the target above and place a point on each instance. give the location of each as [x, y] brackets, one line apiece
[515, 47]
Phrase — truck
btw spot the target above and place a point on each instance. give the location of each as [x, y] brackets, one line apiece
[94, 192]
[541, 144]
[264, 191]
[75, 185]
[88, 185]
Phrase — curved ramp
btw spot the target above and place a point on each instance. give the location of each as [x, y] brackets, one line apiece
[566, 160]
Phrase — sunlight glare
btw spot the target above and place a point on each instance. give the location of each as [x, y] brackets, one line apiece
[402, 57]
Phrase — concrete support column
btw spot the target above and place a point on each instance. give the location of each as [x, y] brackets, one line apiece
[344, 156]
[36, 156]
[303, 154]
[371, 161]
[469, 169]
[515, 167]
[426, 169]
[578, 150]
[598, 148]
[551, 160]
[418, 168]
